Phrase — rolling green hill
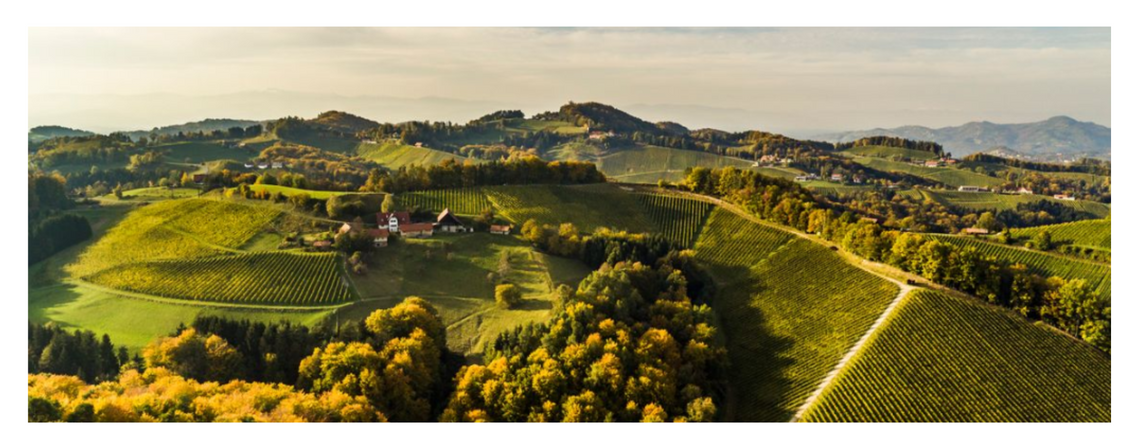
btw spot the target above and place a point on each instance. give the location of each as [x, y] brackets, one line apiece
[889, 152]
[394, 155]
[950, 176]
[994, 201]
[945, 359]
[648, 164]
[202, 151]
[1097, 275]
[789, 309]
[588, 207]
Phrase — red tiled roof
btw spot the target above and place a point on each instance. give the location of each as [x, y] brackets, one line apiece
[402, 217]
[423, 226]
[378, 233]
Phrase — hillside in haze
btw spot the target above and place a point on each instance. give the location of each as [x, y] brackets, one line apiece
[206, 125]
[1057, 137]
[41, 133]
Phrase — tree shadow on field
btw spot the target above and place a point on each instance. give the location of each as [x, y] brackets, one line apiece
[758, 388]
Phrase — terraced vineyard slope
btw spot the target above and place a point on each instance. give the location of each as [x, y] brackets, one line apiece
[271, 278]
[944, 359]
[468, 201]
[679, 219]
[953, 177]
[790, 310]
[587, 207]
[1097, 275]
[1085, 233]
[993, 201]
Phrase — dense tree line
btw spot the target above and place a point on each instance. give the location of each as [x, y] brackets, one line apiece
[51, 349]
[93, 149]
[896, 142]
[54, 234]
[527, 170]
[47, 194]
[323, 170]
[628, 345]
[1086, 165]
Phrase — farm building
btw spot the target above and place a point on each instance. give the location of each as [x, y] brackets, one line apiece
[933, 163]
[394, 220]
[1063, 197]
[972, 189]
[976, 231]
[836, 177]
[448, 223]
[500, 229]
[322, 245]
[1024, 190]
[379, 237]
[348, 227]
[422, 229]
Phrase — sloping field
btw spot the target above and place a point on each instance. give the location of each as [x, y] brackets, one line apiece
[393, 155]
[944, 359]
[587, 207]
[679, 219]
[950, 176]
[271, 278]
[174, 229]
[889, 152]
[993, 201]
[469, 201]
[201, 151]
[648, 164]
[1098, 276]
[790, 309]
[291, 191]
[1086, 233]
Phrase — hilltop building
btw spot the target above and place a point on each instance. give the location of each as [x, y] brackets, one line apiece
[448, 223]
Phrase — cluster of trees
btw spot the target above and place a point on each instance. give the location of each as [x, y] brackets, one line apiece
[1099, 190]
[92, 149]
[1086, 165]
[452, 174]
[324, 170]
[1040, 212]
[495, 151]
[896, 142]
[51, 349]
[47, 194]
[159, 394]
[235, 132]
[55, 233]
[825, 165]
[499, 115]
[628, 345]
[1067, 304]
[389, 366]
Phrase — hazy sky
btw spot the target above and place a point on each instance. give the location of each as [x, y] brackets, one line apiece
[794, 80]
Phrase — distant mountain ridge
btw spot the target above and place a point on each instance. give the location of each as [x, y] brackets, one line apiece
[41, 133]
[1056, 138]
[193, 127]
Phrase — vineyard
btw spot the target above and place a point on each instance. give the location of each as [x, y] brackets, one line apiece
[730, 244]
[271, 278]
[469, 201]
[648, 164]
[788, 317]
[944, 359]
[176, 229]
[588, 208]
[889, 152]
[1086, 233]
[953, 177]
[679, 219]
[1098, 276]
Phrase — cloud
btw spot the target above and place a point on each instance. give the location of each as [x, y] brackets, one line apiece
[850, 74]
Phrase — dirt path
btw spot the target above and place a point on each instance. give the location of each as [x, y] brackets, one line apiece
[904, 290]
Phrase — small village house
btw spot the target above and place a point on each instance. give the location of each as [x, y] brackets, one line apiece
[322, 245]
[501, 229]
[447, 222]
[1024, 190]
[379, 237]
[393, 221]
[975, 231]
[1063, 197]
[421, 229]
[933, 163]
[836, 177]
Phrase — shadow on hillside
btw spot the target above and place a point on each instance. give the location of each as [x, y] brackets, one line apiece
[533, 305]
[758, 388]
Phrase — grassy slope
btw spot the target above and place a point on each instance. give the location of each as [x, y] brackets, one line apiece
[587, 207]
[648, 164]
[451, 271]
[789, 309]
[290, 191]
[941, 358]
[393, 155]
[993, 201]
[950, 176]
